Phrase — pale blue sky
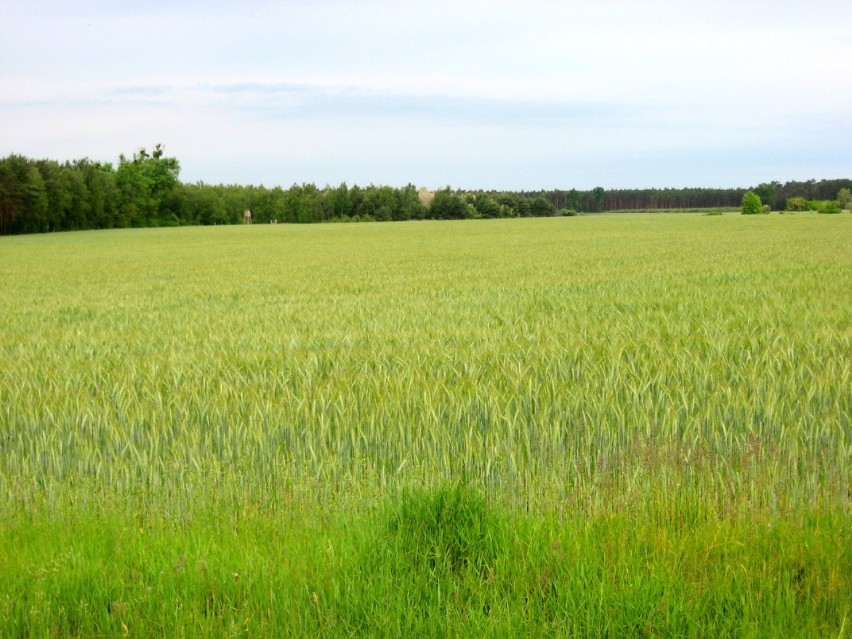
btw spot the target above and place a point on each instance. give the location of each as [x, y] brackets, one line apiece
[505, 95]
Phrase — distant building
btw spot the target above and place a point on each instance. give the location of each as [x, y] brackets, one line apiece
[426, 196]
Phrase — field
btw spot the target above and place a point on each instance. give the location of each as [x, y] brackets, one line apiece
[589, 426]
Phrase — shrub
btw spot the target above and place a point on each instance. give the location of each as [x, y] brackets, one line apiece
[796, 204]
[823, 206]
[829, 206]
[751, 203]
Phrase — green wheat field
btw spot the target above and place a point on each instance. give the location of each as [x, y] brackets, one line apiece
[615, 426]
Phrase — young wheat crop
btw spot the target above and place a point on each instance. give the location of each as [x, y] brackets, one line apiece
[678, 370]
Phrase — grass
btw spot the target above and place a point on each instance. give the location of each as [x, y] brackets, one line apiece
[590, 426]
[427, 563]
[718, 210]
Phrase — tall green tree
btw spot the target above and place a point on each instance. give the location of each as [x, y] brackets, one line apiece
[770, 193]
[337, 202]
[572, 200]
[379, 203]
[486, 206]
[147, 183]
[541, 207]
[36, 202]
[597, 195]
[13, 175]
[448, 206]
[103, 193]
[408, 204]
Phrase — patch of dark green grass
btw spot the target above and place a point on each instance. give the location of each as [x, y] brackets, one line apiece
[448, 531]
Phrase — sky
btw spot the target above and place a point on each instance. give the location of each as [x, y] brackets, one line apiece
[514, 95]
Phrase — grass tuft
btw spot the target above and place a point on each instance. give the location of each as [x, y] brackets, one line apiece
[450, 530]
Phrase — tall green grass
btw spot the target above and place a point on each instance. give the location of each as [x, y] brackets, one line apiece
[666, 397]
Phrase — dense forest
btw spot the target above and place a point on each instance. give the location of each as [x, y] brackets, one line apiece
[144, 190]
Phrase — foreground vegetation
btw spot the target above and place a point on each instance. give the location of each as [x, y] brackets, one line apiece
[611, 426]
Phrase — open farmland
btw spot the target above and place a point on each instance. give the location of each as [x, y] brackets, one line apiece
[614, 426]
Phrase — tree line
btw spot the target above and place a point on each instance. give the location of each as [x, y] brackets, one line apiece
[145, 190]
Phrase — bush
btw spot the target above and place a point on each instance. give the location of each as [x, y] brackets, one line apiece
[823, 206]
[542, 207]
[829, 206]
[797, 204]
[449, 529]
[751, 203]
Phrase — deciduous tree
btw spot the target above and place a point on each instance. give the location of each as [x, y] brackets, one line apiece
[751, 203]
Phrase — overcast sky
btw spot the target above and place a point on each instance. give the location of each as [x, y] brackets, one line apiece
[508, 95]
